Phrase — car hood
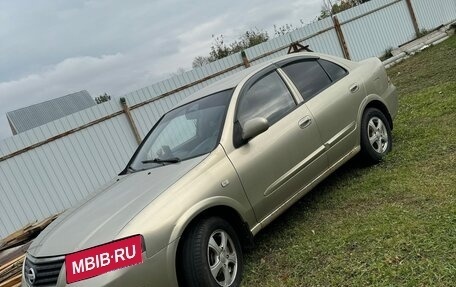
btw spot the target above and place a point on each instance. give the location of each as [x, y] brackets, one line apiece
[99, 219]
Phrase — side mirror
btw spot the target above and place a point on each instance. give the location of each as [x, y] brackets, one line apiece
[254, 127]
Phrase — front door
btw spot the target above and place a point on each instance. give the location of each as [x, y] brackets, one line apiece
[283, 160]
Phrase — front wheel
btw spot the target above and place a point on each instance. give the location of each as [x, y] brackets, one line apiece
[212, 255]
[376, 140]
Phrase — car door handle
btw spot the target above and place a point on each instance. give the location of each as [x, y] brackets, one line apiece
[354, 88]
[305, 122]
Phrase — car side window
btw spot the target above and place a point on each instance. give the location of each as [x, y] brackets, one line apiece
[268, 97]
[308, 76]
[335, 71]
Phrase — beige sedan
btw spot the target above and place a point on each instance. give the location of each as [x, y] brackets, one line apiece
[216, 170]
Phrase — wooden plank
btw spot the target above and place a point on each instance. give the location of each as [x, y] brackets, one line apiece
[12, 282]
[8, 255]
[15, 234]
[25, 234]
[15, 261]
[370, 12]
[12, 268]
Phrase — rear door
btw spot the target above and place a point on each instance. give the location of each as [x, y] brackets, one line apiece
[332, 95]
[278, 163]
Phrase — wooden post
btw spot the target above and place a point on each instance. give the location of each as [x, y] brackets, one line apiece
[340, 36]
[413, 16]
[244, 59]
[126, 110]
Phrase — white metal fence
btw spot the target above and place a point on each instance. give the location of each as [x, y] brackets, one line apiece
[48, 169]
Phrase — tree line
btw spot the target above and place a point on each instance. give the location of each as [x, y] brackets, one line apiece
[221, 49]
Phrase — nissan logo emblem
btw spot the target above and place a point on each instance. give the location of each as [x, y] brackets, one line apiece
[31, 276]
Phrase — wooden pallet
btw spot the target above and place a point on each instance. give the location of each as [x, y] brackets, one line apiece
[12, 252]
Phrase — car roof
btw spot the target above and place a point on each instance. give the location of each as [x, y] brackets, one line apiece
[233, 80]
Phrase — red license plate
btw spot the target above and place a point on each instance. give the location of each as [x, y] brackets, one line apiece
[98, 260]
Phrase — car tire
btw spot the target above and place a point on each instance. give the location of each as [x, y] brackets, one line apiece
[376, 139]
[211, 255]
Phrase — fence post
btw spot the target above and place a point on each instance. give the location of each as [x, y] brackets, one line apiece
[413, 16]
[244, 59]
[126, 110]
[340, 36]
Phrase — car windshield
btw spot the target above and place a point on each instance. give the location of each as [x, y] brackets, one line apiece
[186, 132]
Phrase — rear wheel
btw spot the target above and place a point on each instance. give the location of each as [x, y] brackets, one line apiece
[212, 255]
[376, 140]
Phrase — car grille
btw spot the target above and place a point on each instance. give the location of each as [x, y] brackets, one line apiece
[42, 271]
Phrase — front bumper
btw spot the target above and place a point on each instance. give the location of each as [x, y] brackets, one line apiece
[157, 270]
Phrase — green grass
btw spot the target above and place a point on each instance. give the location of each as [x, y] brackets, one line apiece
[393, 224]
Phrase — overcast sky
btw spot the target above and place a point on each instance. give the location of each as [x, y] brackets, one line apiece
[52, 48]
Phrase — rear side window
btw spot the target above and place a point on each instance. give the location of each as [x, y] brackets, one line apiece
[335, 71]
[308, 76]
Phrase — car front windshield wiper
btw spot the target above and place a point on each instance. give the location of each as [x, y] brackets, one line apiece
[160, 160]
